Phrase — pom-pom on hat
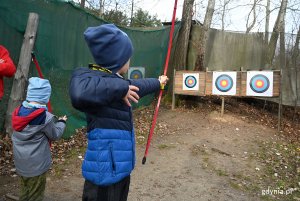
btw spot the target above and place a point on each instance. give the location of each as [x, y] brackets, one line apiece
[110, 47]
[39, 90]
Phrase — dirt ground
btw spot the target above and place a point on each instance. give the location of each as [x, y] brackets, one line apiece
[195, 155]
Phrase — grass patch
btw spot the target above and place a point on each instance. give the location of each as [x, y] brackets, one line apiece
[221, 172]
[164, 146]
[281, 163]
[198, 149]
[235, 185]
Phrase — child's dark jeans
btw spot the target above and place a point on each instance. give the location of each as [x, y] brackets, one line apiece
[116, 192]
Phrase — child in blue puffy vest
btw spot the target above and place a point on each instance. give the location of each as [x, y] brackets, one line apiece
[102, 93]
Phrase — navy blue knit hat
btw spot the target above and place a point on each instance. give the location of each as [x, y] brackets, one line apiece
[110, 47]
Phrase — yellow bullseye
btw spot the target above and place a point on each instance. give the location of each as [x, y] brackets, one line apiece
[190, 81]
[224, 83]
[259, 83]
[135, 76]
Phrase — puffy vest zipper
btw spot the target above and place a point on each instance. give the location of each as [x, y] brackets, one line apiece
[113, 165]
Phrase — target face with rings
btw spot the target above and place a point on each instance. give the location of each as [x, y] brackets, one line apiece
[259, 83]
[190, 81]
[136, 73]
[224, 83]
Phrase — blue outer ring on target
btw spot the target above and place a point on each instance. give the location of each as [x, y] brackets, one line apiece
[262, 78]
[186, 81]
[137, 73]
[225, 78]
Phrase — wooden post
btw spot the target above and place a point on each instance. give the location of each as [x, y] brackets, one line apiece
[222, 108]
[282, 59]
[173, 93]
[280, 102]
[17, 94]
[205, 86]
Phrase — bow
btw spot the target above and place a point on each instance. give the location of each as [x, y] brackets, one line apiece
[161, 90]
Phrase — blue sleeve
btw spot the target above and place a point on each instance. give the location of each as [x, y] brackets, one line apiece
[89, 90]
[146, 86]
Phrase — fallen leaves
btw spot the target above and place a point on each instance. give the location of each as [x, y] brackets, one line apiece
[6, 156]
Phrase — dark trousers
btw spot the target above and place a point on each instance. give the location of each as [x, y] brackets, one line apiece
[116, 192]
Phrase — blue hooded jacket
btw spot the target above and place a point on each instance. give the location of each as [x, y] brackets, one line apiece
[110, 155]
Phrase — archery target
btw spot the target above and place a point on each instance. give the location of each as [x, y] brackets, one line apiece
[136, 73]
[224, 83]
[190, 81]
[259, 83]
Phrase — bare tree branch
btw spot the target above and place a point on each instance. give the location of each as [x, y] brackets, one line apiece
[253, 9]
[206, 25]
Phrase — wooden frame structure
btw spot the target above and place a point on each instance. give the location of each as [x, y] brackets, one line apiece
[206, 85]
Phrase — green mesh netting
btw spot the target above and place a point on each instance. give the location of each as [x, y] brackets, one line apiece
[60, 47]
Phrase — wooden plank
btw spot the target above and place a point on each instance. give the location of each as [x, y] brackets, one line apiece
[243, 83]
[173, 92]
[209, 77]
[276, 83]
[202, 83]
[238, 83]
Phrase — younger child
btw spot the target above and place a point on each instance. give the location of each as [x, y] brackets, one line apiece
[33, 128]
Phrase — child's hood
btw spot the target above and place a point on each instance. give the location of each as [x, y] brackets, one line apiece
[20, 122]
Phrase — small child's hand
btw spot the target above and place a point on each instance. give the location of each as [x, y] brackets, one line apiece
[163, 79]
[131, 95]
[65, 118]
[1, 61]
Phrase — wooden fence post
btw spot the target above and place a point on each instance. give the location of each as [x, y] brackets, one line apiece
[173, 93]
[17, 94]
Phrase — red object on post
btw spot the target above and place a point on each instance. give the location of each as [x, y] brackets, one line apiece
[38, 68]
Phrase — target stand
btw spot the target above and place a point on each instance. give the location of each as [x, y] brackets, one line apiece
[226, 83]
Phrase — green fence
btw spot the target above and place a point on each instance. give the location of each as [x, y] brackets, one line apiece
[60, 47]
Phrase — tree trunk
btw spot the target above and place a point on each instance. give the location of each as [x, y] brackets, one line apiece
[101, 9]
[282, 60]
[21, 77]
[225, 3]
[82, 3]
[295, 64]
[131, 16]
[181, 48]
[206, 25]
[295, 53]
[275, 34]
[179, 57]
[267, 23]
